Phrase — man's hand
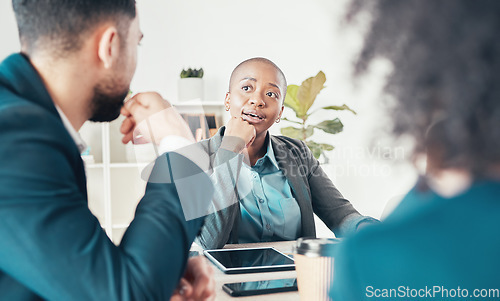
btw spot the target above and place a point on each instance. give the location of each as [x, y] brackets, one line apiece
[150, 118]
[239, 128]
[197, 283]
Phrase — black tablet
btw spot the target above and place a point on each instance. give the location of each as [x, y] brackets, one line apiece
[250, 260]
[260, 287]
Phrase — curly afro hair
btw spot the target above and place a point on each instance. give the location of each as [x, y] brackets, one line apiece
[446, 77]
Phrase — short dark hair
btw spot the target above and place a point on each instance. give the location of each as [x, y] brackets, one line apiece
[446, 58]
[261, 60]
[61, 25]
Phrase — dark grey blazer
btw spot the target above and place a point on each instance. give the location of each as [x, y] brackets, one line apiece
[311, 187]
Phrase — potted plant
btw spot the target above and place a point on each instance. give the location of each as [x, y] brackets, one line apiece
[300, 99]
[190, 85]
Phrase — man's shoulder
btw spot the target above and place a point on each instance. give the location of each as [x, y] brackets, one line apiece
[10, 100]
[20, 114]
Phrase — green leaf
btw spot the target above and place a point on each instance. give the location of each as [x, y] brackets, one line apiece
[330, 126]
[340, 108]
[293, 121]
[190, 72]
[309, 131]
[292, 132]
[291, 100]
[296, 133]
[308, 91]
[300, 99]
[327, 147]
[315, 148]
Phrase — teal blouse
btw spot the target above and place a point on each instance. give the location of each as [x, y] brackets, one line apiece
[433, 246]
[268, 210]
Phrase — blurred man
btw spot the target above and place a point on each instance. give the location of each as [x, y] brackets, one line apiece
[76, 64]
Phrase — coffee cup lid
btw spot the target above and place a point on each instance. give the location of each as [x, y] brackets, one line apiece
[315, 247]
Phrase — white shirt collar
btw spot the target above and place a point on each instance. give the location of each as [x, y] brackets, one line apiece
[72, 132]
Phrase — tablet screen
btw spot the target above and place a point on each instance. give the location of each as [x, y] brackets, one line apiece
[251, 260]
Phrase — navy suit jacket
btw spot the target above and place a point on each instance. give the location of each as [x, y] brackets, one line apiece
[51, 246]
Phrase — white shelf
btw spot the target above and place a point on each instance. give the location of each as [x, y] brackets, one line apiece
[94, 165]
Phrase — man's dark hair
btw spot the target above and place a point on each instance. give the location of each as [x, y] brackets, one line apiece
[446, 58]
[61, 25]
[261, 60]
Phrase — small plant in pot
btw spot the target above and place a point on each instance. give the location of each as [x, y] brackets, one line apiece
[300, 99]
[196, 73]
[190, 85]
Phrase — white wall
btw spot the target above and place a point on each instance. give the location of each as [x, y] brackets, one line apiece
[8, 31]
[302, 37]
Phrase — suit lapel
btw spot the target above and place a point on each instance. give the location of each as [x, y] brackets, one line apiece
[289, 164]
[18, 75]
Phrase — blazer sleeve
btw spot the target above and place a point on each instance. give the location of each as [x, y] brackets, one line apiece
[225, 209]
[328, 203]
[51, 242]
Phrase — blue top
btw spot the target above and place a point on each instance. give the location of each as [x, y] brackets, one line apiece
[268, 210]
[430, 245]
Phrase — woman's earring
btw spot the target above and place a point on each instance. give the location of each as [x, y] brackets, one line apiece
[227, 108]
[278, 120]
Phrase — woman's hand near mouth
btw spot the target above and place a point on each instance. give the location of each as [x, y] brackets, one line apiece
[239, 128]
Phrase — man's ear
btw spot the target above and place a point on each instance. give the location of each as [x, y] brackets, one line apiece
[108, 46]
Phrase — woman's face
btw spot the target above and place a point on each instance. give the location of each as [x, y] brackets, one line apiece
[256, 95]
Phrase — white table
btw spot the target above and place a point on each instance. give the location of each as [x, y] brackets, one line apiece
[221, 278]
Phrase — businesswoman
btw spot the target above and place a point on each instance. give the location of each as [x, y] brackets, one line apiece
[267, 187]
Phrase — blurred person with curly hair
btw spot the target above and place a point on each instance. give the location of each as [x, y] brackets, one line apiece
[442, 240]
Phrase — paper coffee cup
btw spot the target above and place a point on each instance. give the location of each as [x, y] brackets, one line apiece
[314, 266]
